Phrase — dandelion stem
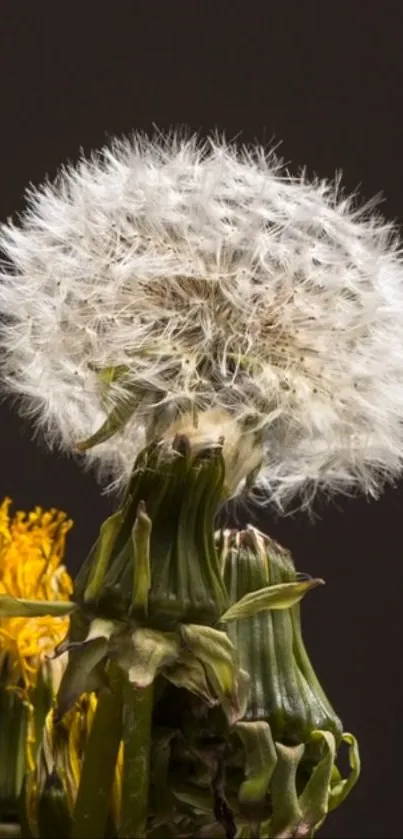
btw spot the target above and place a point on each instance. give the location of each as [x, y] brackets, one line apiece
[94, 793]
[137, 715]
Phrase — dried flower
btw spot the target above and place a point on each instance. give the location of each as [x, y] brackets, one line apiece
[165, 278]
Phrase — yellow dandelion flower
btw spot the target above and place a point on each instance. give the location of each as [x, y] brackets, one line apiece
[31, 551]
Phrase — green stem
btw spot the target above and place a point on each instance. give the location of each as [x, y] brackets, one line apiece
[94, 793]
[137, 718]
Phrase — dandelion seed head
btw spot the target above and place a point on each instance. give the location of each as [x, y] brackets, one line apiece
[212, 280]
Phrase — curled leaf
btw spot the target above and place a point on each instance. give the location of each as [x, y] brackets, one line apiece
[314, 800]
[342, 787]
[260, 760]
[116, 420]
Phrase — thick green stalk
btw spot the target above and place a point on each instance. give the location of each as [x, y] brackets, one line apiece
[137, 718]
[98, 771]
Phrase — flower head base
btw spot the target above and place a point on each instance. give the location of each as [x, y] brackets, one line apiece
[192, 643]
[32, 547]
[162, 277]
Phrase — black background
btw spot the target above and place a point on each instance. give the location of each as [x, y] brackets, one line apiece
[326, 79]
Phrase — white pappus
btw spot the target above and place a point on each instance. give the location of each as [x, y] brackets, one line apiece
[210, 281]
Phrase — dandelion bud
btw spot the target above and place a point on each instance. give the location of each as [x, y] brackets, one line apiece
[284, 691]
[290, 733]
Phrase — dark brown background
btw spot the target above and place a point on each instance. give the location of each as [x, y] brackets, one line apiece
[326, 79]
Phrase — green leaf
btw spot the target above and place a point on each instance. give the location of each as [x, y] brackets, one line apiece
[260, 762]
[18, 607]
[340, 790]
[137, 715]
[280, 596]
[98, 771]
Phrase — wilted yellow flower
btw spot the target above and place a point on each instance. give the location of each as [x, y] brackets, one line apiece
[31, 549]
